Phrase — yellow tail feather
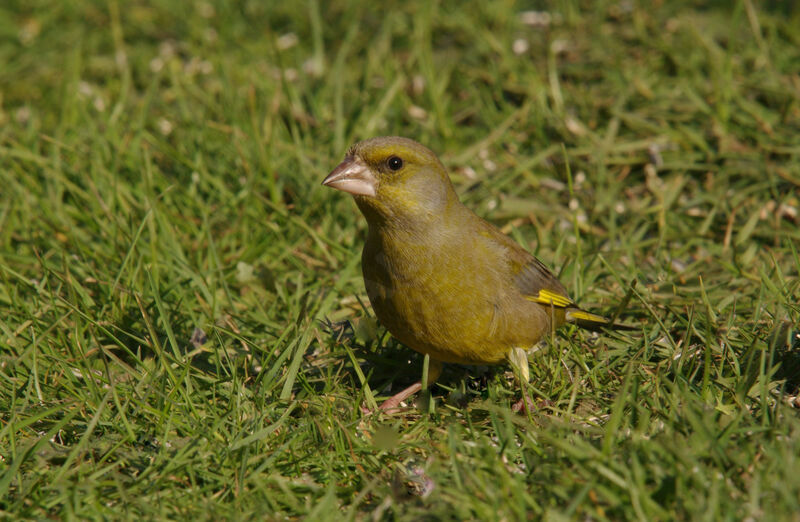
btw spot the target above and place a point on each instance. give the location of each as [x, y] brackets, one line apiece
[583, 315]
[592, 321]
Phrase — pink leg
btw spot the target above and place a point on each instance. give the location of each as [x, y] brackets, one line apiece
[391, 405]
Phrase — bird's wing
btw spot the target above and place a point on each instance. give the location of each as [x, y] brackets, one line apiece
[531, 277]
[538, 284]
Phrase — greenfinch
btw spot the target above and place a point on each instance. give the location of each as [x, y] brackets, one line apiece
[443, 281]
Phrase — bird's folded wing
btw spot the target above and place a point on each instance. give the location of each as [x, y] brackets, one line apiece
[550, 298]
[540, 286]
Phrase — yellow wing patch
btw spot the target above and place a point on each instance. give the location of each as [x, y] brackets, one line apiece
[546, 297]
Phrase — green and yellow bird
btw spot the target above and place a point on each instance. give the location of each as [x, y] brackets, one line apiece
[442, 280]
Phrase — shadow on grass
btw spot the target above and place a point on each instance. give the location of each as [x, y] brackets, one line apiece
[784, 344]
[390, 367]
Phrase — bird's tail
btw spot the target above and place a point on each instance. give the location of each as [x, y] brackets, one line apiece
[592, 321]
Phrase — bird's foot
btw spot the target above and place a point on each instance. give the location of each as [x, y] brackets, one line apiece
[526, 405]
[392, 404]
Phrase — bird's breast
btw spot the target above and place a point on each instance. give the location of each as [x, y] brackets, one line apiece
[443, 300]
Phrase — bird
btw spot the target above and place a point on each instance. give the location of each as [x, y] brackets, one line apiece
[442, 280]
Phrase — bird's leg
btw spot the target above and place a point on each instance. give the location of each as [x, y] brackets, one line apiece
[524, 405]
[391, 404]
[518, 357]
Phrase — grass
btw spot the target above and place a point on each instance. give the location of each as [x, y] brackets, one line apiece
[170, 266]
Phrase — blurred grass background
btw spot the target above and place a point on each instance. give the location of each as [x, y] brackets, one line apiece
[170, 266]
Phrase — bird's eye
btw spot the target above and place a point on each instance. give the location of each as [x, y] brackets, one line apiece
[395, 163]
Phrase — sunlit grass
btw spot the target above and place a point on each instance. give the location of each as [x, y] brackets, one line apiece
[171, 271]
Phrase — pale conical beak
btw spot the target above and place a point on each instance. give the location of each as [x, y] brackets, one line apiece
[353, 176]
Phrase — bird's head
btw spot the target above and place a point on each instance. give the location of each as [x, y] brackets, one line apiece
[394, 178]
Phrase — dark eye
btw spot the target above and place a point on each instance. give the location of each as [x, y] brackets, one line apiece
[395, 163]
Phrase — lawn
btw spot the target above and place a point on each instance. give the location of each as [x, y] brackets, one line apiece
[184, 331]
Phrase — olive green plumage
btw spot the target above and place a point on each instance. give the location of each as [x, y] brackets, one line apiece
[442, 280]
